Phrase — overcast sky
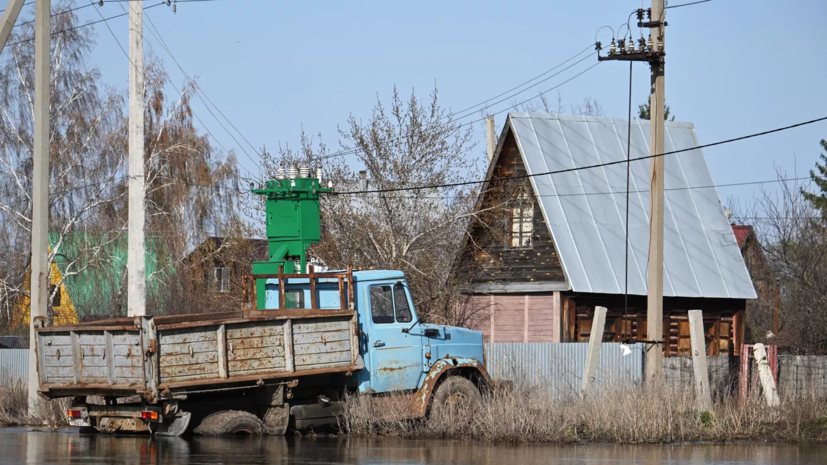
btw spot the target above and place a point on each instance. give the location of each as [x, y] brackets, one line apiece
[733, 67]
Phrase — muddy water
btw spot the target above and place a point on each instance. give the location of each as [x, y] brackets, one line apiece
[19, 446]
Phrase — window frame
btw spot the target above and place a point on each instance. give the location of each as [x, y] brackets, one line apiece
[373, 314]
[403, 288]
[521, 216]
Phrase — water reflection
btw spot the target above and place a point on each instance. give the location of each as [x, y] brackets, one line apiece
[22, 447]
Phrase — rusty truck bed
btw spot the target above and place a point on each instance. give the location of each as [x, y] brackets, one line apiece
[160, 356]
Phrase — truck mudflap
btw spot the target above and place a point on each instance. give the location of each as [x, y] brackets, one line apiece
[422, 397]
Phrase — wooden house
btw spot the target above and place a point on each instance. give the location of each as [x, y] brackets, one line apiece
[548, 243]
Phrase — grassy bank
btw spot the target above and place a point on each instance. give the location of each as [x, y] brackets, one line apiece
[14, 407]
[621, 415]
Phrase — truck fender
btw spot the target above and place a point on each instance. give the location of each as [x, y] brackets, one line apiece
[439, 370]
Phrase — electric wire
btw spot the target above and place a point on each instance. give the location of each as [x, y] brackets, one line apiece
[483, 103]
[686, 4]
[207, 129]
[58, 13]
[90, 23]
[586, 167]
[345, 152]
[202, 95]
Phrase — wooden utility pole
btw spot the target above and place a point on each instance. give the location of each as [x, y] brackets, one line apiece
[489, 130]
[135, 263]
[653, 52]
[654, 300]
[39, 280]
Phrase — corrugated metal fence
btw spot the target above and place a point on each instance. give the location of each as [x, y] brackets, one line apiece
[560, 365]
[14, 364]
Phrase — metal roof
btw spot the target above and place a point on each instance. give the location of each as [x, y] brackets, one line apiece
[701, 256]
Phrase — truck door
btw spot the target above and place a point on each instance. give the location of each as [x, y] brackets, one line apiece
[396, 356]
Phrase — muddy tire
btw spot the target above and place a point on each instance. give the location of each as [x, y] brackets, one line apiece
[230, 422]
[455, 395]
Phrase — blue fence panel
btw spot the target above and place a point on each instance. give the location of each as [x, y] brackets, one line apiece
[560, 365]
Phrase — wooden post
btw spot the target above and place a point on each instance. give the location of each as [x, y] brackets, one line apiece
[765, 374]
[593, 354]
[703, 396]
[282, 298]
[312, 281]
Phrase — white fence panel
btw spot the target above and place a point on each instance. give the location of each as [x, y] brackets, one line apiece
[14, 364]
[560, 365]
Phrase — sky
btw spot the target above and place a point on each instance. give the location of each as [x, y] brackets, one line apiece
[733, 67]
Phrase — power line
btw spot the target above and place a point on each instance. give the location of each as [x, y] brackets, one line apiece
[90, 23]
[687, 4]
[173, 86]
[598, 165]
[354, 150]
[203, 95]
[521, 85]
[56, 14]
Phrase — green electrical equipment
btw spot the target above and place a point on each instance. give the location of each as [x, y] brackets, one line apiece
[293, 223]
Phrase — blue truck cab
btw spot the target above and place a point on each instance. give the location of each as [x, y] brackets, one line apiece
[399, 352]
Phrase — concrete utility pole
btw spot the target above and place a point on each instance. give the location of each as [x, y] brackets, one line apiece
[703, 395]
[654, 300]
[136, 285]
[652, 52]
[593, 354]
[39, 279]
[8, 19]
[492, 138]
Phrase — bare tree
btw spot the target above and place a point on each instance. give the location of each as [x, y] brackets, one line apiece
[191, 189]
[409, 143]
[794, 241]
[85, 128]
[588, 107]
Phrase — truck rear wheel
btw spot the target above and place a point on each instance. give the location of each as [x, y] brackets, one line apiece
[455, 395]
[230, 422]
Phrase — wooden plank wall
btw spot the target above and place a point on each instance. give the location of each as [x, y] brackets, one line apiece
[519, 318]
[490, 258]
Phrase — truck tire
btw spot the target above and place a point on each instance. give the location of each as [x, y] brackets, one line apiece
[230, 422]
[455, 393]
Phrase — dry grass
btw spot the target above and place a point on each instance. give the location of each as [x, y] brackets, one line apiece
[14, 407]
[619, 415]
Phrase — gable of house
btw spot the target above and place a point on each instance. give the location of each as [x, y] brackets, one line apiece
[512, 248]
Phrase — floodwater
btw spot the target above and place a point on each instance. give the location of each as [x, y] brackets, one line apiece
[20, 446]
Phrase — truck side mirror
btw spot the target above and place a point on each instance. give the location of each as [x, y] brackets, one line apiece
[431, 332]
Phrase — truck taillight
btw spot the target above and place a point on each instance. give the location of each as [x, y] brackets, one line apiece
[74, 413]
[149, 416]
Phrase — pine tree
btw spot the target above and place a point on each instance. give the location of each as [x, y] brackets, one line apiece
[819, 200]
[644, 112]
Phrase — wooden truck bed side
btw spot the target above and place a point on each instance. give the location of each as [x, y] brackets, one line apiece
[155, 356]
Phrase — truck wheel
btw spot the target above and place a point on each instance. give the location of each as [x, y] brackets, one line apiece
[230, 422]
[455, 394]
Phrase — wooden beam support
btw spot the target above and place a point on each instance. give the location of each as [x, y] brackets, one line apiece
[703, 395]
[593, 354]
[765, 374]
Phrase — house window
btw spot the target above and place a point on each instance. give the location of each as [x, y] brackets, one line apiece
[521, 221]
[221, 279]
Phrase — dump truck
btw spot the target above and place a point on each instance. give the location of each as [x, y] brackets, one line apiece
[301, 343]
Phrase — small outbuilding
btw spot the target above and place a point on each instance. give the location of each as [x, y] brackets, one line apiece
[548, 243]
